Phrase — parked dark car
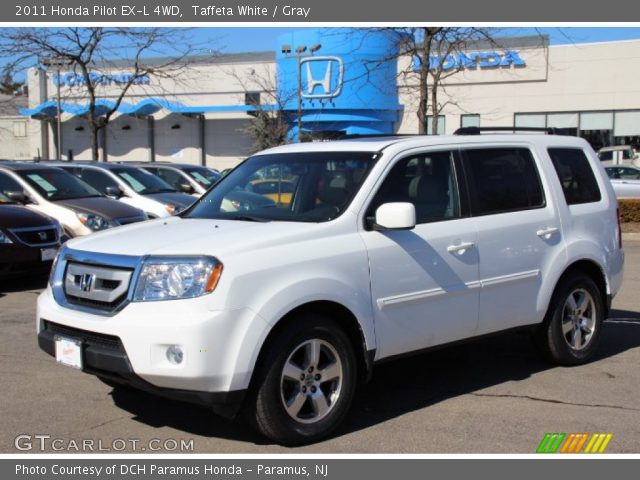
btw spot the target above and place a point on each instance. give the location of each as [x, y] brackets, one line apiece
[187, 178]
[29, 240]
[131, 185]
[52, 191]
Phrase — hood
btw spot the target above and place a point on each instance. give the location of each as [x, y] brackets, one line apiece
[15, 216]
[106, 207]
[181, 200]
[178, 236]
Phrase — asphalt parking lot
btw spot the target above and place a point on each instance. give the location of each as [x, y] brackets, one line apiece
[489, 396]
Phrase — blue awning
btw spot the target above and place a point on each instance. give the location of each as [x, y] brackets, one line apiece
[147, 106]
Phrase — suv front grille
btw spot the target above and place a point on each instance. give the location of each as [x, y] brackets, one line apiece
[37, 236]
[96, 287]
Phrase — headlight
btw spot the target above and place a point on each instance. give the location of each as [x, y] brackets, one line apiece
[174, 209]
[167, 278]
[4, 238]
[94, 222]
[54, 265]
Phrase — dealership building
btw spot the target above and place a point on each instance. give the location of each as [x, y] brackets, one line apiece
[329, 81]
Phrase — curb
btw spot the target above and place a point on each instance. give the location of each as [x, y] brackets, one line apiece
[631, 237]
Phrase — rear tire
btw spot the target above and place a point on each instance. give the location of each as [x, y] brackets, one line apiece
[572, 328]
[305, 382]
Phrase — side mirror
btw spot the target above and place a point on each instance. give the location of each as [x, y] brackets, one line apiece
[395, 216]
[19, 197]
[112, 191]
[186, 188]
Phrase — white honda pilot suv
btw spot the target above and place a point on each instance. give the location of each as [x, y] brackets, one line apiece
[380, 247]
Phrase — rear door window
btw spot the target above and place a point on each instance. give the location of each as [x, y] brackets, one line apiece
[502, 180]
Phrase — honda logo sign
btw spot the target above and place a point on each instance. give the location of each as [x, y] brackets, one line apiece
[324, 76]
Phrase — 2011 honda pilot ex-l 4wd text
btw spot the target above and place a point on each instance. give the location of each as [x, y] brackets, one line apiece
[387, 246]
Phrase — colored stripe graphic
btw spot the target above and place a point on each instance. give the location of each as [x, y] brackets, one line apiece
[598, 443]
[574, 442]
[550, 443]
[569, 443]
[581, 442]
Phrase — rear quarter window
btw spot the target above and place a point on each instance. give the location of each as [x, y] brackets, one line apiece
[576, 176]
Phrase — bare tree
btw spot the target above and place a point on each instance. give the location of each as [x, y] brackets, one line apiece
[425, 54]
[136, 53]
[270, 122]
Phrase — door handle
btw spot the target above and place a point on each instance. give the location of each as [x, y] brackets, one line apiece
[546, 233]
[460, 248]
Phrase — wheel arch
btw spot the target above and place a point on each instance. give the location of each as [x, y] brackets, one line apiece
[593, 270]
[347, 320]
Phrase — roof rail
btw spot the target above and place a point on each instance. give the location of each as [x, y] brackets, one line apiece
[377, 135]
[479, 130]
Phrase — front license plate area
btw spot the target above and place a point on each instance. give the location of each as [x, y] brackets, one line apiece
[47, 254]
[68, 351]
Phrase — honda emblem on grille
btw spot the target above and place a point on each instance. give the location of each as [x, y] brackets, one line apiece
[42, 235]
[86, 281]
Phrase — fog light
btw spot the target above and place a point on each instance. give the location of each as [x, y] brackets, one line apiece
[175, 355]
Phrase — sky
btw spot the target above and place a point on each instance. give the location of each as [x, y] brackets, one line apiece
[237, 39]
[255, 38]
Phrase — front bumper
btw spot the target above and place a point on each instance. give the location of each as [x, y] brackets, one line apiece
[105, 356]
[18, 260]
[130, 347]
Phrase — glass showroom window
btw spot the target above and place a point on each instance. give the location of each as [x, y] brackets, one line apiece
[531, 120]
[567, 123]
[470, 120]
[597, 128]
[439, 125]
[626, 130]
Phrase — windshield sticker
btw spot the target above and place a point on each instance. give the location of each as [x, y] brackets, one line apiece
[46, 186]
[200, 178]
[133, 183]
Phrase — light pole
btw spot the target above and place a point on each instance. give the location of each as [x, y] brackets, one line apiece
[58, 63]
[299, 54]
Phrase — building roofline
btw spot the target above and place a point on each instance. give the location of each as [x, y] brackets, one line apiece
[589, 44]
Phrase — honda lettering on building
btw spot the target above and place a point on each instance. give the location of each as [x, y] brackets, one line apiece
[323, 76]
[71, 79]
[474, 60]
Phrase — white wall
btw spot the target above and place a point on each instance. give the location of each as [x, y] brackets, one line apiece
[177, 144]
[601, 76]
[13, 145]
[227, 142]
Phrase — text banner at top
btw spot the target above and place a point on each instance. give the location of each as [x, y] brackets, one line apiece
[324, 11]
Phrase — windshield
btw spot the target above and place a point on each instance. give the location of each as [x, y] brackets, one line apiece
[294, 187]
[57, 184]
[203, 176]
[143, 182]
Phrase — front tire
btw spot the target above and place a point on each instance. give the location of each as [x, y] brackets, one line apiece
[571, 331]
[305, 381]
